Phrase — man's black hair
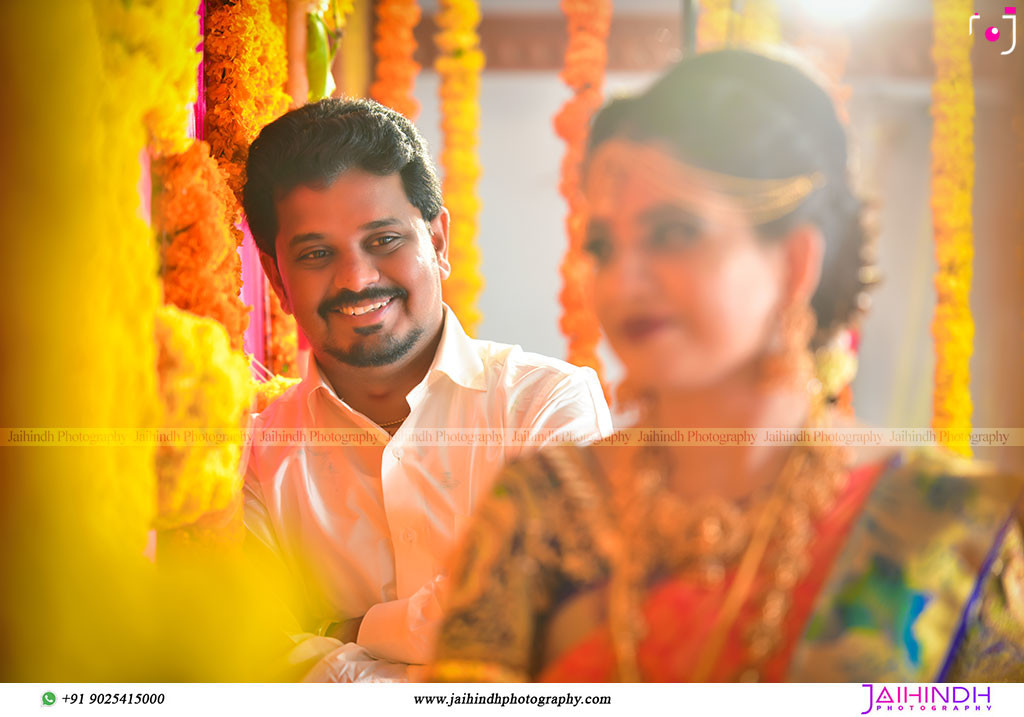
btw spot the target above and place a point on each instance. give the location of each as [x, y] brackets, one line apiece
[313, 145]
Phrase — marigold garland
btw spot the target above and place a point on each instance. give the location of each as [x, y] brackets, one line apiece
[282, 338]
[192, 218]
[85, 79]
[952, 188]
[245, 70]
[585, 59]
[719, 25]
[459, 64]
[205, 385]
[143, 50]
[279, 13]
[270, 390]
[84, 356]
[154, 39]
[394, 46]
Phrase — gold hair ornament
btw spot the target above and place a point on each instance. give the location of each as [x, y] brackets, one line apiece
[765, 200]
[762, 200]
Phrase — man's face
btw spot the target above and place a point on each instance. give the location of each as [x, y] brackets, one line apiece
[360, 269]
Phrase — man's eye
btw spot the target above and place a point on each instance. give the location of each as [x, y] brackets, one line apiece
[313, 255]
[383, 241]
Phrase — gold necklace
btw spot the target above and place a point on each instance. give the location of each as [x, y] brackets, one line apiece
[393, 423]
[645, 525]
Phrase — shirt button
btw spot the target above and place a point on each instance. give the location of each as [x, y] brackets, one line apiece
[397, 453]
[409, 535]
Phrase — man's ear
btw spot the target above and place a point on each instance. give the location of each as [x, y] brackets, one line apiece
[803, 254]
[439, 238]
[274, 275]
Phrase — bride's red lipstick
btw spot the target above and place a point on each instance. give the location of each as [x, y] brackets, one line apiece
[641, 328]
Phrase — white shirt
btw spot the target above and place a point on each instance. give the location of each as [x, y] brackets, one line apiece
[370, 528]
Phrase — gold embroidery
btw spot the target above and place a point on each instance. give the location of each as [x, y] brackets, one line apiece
[526, 540]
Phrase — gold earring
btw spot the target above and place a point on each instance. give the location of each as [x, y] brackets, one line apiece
[835, 364]
[788, 362]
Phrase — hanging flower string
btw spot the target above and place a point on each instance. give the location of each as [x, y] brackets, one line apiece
[138, 68]
[205, 385]
[245, 76]
[393, 47]
[282, 337]
[169, 55]
[952, 188]
[203, 376]
[245, 73]
[192, 219]
[585, 59]
[82, 516]
[459, 64]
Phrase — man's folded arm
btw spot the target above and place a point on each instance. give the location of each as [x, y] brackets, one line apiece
[398, 630]
[404, 630]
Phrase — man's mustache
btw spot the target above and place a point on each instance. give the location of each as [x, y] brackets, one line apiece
[346, 297]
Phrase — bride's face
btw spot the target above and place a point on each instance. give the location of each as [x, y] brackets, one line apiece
[686, 291]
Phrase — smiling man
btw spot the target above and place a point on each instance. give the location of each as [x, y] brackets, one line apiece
[346, 209]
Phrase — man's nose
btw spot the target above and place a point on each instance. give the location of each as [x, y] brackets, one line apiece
[356, 271]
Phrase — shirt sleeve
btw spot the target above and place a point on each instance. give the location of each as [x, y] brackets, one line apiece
[404, 630]
[265, 550]
[571, 409]
[256, 516]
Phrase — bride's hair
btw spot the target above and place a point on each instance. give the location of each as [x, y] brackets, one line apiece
[746, 115]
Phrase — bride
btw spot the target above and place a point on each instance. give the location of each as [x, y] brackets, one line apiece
[728, 251]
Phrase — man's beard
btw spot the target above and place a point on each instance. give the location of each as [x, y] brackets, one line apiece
[386, 352]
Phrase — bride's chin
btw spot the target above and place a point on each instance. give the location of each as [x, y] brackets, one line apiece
[675, 376]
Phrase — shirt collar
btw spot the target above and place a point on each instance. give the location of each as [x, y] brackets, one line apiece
[456, 357]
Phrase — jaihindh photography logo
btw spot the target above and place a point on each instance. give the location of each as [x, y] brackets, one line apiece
[926, 698]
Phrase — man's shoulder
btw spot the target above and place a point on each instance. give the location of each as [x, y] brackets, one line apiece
[284, 410]
[267, 444]
[510, 364]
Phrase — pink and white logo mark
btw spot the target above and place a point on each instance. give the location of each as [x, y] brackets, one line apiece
[993, 34]
[928, 698]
